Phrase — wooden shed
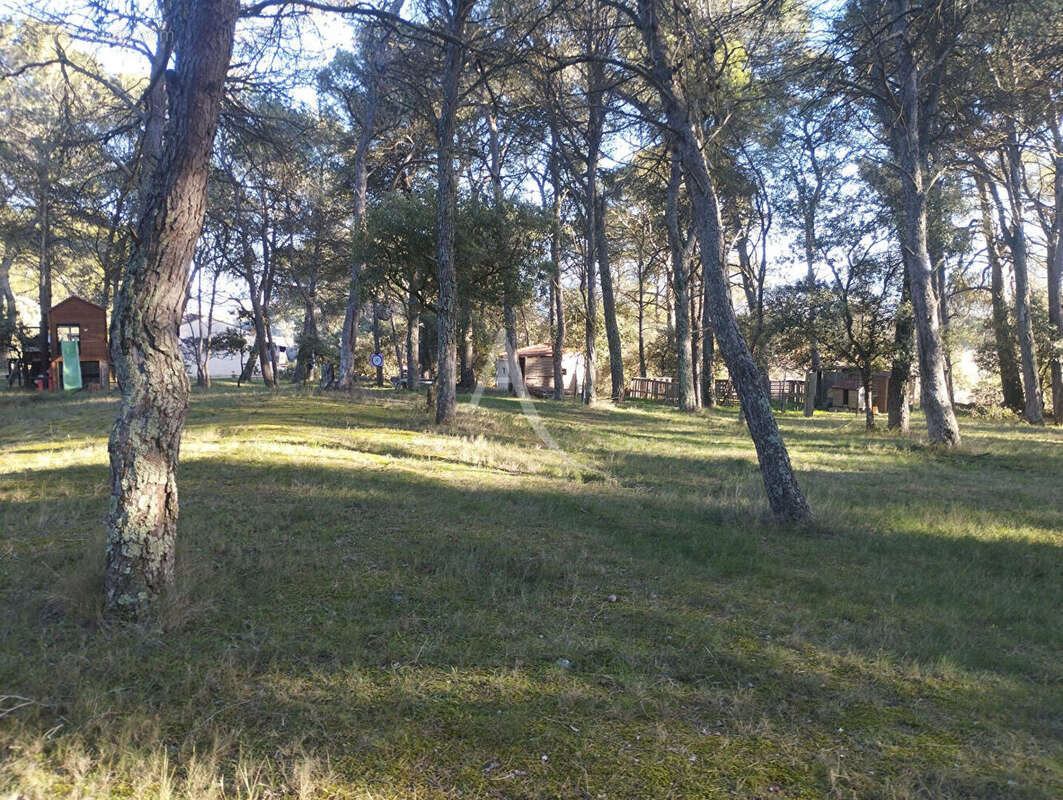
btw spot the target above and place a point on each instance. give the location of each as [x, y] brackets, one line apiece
[76, 319]
[844, 389]
[537, 366]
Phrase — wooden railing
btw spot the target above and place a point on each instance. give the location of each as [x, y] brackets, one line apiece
[654, 389]
[784, 394]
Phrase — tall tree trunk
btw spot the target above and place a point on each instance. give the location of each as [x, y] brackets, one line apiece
[413, 344]
[812, 385]
[1003, 335]
[265, 360]
[669, 308]
[44, 260]
[517, 387]
[203, 364]
[1055, 273]
[612, 330]
[349, 332]
[869, 408]
[304, 362]
[255, 290]
[556, 291]
[936, 252]
[708, 354]
[145, 443]
[453, 61]
[271, 345]
[1015, 235]
[595, 124]
[905, 140]
[466, 355]
[376, 342]
[784, 495]
[590, 377]
[642, 316]
[696, 332]
[516, 376]
[680, 286]
[396, 343]
[8, 310]
[898, 414]
[359, 184]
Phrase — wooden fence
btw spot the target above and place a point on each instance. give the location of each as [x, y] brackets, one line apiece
[784, 394]
[654, 389]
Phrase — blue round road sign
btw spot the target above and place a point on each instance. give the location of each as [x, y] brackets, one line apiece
[376, 360]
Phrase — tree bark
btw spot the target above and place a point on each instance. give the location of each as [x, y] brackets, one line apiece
[44, 260]
[556, 291]
[145, 443]
[413, 344]
[304, 362]
[1003, 335]
[1055, 273]
[8, 310]
[1015, 236]
[697, 328]
[812, 385]
[688, 400]
[642, 316]
[784, 495]
[466, 354]
[516, 377]
[265, 360]
[708, 354]
[612, 330]
[359, 184]
[203, 340]
[935, 248]
[869, 409]
[453, 61]
[898, 413]
[376, 343]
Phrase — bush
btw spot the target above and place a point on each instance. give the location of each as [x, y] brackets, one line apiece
[987, 403]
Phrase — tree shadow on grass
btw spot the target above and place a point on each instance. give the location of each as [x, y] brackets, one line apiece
[409, 627]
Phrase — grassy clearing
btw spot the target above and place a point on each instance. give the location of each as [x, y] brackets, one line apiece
[370, 607]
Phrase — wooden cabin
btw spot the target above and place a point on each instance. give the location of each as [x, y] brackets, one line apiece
[76, 319]
[843, 390]
[537, 366]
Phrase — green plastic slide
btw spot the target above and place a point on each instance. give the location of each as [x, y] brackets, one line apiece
[71, 366]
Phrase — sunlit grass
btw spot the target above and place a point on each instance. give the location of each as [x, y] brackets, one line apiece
[372, 607]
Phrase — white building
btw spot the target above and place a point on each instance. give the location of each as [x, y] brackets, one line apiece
[194, 330]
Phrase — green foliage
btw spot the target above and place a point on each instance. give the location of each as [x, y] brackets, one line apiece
[230, 342]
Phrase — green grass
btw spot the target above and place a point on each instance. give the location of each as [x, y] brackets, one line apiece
[372, 607]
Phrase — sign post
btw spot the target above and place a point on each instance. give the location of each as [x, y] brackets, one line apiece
[377, 360]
